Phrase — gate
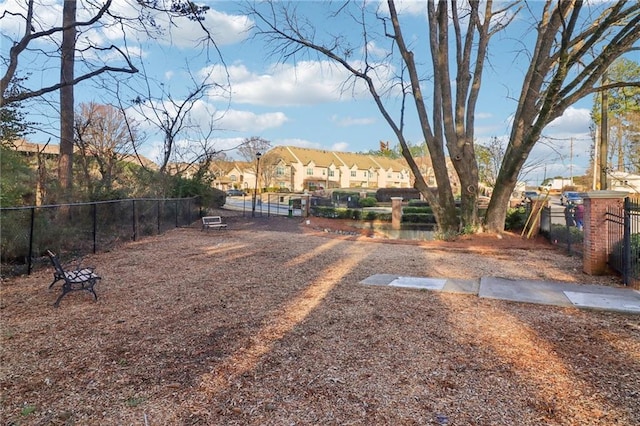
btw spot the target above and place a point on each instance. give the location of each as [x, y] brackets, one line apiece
[623, 241]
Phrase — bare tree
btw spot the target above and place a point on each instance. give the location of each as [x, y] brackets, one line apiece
[35, 32]
[103, 141]
[565, 66]
[452, 112]
[250, 149]
[185, 139]
[573, 49]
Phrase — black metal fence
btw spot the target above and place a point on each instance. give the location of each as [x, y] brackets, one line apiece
[73, 230]
[623, 242]
[562, 228]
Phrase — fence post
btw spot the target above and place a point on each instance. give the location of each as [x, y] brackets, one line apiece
[135, 220]
[30, 255]
[595, 255]
[626, 246]
[158, 215]
[95, 225]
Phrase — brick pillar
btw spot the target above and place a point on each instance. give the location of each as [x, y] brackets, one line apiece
[594, 256]
[396, 212]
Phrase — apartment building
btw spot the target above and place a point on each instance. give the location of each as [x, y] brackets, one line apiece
[297, 169]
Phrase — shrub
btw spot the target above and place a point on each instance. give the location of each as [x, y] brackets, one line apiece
[419, 218]
[417, 210]
[418, 203]
[370, 216]
[367, 202]
[516, 218]
[616, 255]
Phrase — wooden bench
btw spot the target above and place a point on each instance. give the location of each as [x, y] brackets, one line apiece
[214, 222]
[81, 278]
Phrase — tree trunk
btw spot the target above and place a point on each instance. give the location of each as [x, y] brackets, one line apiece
[65, 165]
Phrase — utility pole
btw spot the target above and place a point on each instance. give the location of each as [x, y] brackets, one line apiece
[604, 132]
[571, 161]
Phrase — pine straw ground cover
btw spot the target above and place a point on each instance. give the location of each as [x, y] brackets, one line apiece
[253, 326]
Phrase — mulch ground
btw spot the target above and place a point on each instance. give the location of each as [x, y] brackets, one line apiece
[265, 323]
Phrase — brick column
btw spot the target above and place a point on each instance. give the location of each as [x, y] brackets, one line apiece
[594, 255]
[396, 212]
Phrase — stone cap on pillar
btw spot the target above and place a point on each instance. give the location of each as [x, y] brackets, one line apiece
[397, 198]
[604, 194]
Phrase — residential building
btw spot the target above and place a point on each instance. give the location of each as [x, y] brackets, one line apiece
[623, 181]
[297, 169]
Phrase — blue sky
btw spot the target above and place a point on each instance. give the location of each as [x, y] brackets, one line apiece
[303, 103]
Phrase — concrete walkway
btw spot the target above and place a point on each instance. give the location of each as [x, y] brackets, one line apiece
[615, 299]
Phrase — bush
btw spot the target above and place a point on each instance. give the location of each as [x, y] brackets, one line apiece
[418, 203]
[516, 218]
[419, 218]
[417, 210]
[367, 202]
[616, 255]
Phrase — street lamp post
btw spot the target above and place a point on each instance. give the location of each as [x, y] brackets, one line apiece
[255, 190]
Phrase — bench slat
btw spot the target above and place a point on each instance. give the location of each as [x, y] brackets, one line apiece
[213, 222]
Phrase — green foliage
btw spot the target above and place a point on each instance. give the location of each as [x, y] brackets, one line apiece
[417, 210]
[616, 254]
[489, 159]
[370, 215]
[135, 401]
[183, 187]
[17, 180]
[516, 218]
[13, 124]
[419, 218]
[418, 203]
[28, 409]
[469, 229]
[367, 202]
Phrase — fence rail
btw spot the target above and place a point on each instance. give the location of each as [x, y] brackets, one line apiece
[623, 242]
[73, 230]
[561, 228]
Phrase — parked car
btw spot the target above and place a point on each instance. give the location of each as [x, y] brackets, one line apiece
[529, 196]
[570, 197]
[235, 193]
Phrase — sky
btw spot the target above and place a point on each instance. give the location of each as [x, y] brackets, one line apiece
[303, 102]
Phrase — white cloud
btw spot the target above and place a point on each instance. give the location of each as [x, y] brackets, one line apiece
[302, 143]
[305, 83]
[350, 121]
[573, 121]
[376, 51]
[340, 146]
[247, 121]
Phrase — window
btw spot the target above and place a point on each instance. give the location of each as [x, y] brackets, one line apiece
[353, 173]
[388, 175]
[279, 171]
[332, 173]
[323, 172]
[233, 178]
[310, 171]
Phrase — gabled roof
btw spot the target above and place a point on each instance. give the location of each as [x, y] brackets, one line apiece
[282, 153]
[362, 161]
[393, 164]
[320, 158]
